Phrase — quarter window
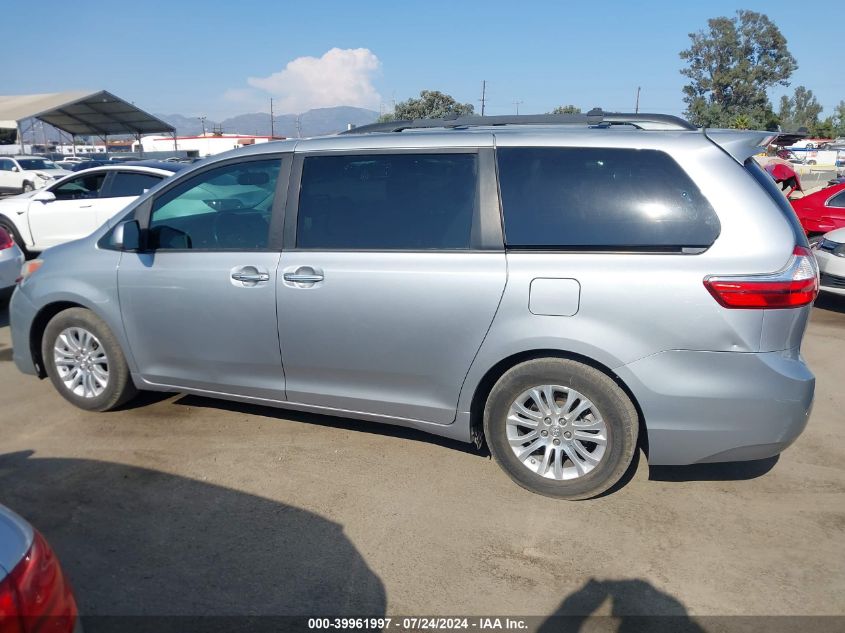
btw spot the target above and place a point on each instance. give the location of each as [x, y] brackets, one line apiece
[227, 208]
[837, 201]
[387, 202]
[598, 198]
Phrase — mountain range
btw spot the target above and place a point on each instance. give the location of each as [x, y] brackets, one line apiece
[311, 123]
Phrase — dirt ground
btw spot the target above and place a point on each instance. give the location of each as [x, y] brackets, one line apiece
[183, 505]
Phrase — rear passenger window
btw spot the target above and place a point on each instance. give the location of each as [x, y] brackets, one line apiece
[597, 198]
[127, 183]
[387, 202]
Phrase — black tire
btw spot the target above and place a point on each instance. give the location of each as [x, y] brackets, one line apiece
[119, 387]
[13, 233]
[27, 187]
[617, 411]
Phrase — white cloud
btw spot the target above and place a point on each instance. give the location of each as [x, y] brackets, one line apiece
[339, 77]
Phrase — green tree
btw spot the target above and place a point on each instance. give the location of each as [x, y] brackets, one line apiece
[731, 65]
[567, 109]
[741, 122]
[800, 110]
[822, 129]
[839, 118]
[431, 104]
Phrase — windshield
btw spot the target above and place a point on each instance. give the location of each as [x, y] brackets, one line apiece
[29, 164]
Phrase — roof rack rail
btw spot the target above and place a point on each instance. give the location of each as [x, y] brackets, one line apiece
[595, 117]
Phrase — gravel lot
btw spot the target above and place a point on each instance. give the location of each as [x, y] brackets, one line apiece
[184, 505]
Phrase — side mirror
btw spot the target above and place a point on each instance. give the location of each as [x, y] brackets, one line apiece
[44, 196]
[126, 236]
[15, 168]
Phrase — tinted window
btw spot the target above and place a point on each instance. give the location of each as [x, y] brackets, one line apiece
[601, 198]
[837, 201]
[80, 188]
[127, 183]
[225, 208]
[6, 164]
[387, 202]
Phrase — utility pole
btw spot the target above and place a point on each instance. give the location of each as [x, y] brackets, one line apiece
[202, 120]
[637, 106]
[516, 103]
[483, 95]
[298, 126]
[272, 125]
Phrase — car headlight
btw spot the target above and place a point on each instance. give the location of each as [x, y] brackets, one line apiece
[836, 248]
[42, 176]
[29, 268]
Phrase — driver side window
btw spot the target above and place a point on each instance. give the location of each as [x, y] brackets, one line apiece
[227, 208]
[81, 188]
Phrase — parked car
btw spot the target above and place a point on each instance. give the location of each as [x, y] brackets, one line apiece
[821, 211]
[88, 164]
[77, 204]
[35, 595]
[566, 292]
[11, 260]
[830, 254]
[19, 174]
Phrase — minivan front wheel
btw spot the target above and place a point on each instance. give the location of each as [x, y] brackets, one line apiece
[85, 362]
[561, 428]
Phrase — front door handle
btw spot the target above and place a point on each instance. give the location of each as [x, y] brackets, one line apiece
[253, 278]
[303, 278]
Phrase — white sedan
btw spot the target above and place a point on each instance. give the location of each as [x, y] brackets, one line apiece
[830, 254]
[75, 205]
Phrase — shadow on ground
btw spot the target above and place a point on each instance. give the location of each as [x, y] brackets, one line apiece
[727, 471]
[636, 606]
[361, 426]
[140, 542]
[830, 302]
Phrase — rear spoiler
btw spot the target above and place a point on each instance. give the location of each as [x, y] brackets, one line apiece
[741, 144]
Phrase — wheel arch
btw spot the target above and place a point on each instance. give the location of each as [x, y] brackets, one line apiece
[485, 386]
[24, 236]
[39, 324]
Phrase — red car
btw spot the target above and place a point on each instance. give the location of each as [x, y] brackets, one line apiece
[821, 211]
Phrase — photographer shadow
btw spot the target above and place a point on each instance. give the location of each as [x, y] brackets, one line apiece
[635, 607]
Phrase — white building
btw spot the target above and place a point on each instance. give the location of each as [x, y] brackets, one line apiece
[202, 145]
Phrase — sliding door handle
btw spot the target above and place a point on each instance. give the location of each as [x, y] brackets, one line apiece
[303, 278]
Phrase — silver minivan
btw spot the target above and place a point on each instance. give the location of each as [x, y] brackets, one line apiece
[567, 288]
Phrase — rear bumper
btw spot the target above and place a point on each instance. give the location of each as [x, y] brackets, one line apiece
[720, 406]
[21, 314]
[11, 260]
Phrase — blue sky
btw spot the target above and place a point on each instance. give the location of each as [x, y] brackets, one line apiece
[224, 58]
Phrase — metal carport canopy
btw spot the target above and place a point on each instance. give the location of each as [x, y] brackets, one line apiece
[81, 113]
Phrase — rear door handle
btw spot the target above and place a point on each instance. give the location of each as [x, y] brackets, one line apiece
[303, 278]
[251, 277]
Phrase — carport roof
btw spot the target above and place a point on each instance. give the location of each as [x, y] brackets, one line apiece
[80, 112]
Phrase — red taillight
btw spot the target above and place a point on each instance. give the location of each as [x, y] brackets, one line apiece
[794, 286]
[6, 240]
[36, 597]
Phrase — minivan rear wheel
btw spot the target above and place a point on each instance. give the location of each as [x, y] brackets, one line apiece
[561, 428]
[84, 361]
